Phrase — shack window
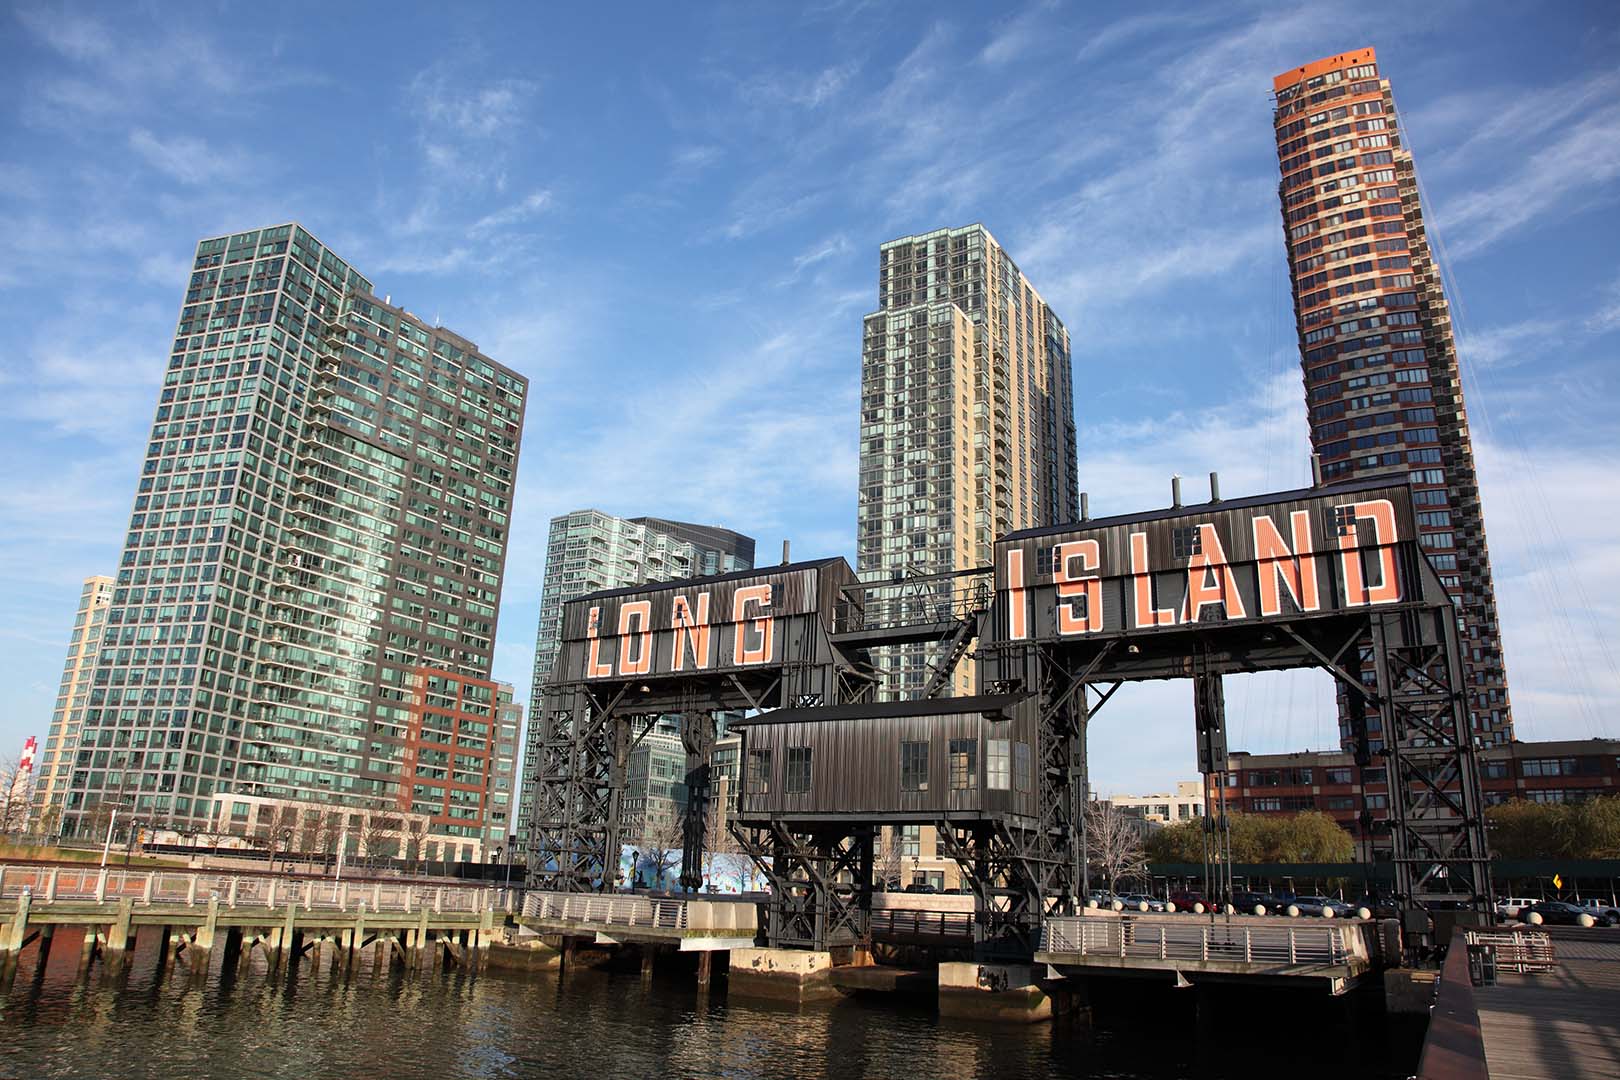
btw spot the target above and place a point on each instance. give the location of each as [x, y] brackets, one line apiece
[759, 772]
[964, 764]
[913, 766]
[797, 781]
[1021, 758]
[998, 764]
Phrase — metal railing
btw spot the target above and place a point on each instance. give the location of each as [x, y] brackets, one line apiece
[1523, 951]
[917, 923]
[626, 911]
[51, 884]
[942, 598]
[1162, 939]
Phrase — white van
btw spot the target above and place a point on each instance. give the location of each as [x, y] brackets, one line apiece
[1510, 907]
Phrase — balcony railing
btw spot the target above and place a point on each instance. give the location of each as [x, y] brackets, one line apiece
[1166, 939]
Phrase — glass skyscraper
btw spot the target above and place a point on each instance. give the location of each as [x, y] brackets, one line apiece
[1381, 377]
[967, 420]
[315, 551]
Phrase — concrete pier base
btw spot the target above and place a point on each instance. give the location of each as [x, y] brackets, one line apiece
[796, 975]
[534, 955]
[118, 937]
[705, 969]
[1001, 992]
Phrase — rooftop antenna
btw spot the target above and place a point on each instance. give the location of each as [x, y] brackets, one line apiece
[1175, 491]
[1214, 487]
[786, 546]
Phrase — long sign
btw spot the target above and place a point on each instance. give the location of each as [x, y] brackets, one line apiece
[685, 627]
[1253, 559]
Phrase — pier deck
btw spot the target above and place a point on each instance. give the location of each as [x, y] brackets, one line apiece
[1563, 1023]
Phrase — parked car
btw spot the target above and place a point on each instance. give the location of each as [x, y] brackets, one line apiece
[1382, 907]
[1322, 905]
[1246, 902]
[1134, 902]
[1554, 913]
[1187, 899]
[1604, 912]
[1509, 907]
[921, 887]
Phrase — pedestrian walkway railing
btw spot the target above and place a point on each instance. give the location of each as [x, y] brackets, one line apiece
[1165, 939]
[53, 884]
[605, 910]
[912, 923]
[1523, 951]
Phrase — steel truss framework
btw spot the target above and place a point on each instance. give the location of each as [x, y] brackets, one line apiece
[579, 755]
[821, 882]
[1402, 663]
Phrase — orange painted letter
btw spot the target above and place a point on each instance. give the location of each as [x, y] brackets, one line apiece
[594, 668]
[1142, 582]
[741, 654]
[1211, 562]
[1070, 586]
[691, 633]
[1356, 591]
[1295, 568]
[641, 612]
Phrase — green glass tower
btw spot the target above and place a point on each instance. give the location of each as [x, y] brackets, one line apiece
[318, 539]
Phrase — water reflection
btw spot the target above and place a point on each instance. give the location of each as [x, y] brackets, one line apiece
[158, 1021]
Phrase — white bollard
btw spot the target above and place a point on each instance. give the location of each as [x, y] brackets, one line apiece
[1327, 912]
[1142, 906]
[1199, 909]
[1534, 918]
[1230, 910]
[1363, 913]
[1118, 905]
[1169, 907]
[1586, 920]
[1259, 909]
[1091, 905]
[1292, 911]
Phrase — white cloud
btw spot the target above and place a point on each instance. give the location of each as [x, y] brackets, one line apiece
[1569, 175]
[529, 206]
[189, 159]
[484, 111]
[1019, 35]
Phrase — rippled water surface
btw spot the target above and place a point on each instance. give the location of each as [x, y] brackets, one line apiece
[607, 1024]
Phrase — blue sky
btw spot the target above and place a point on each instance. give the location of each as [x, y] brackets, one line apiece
[668, 217]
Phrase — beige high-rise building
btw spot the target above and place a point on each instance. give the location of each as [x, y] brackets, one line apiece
[56, 763]
[967, 425]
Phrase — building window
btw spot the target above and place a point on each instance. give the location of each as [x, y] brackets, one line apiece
[913, 766]
[759, 772]
[1022, 764]
[1376, 802]
[1263, 805]
[1339, 776]
[964, 765]
[797, 780]
[1495, 770]
[910, 841]
[998, 764]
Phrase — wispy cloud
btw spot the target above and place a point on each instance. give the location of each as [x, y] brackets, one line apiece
[1569, 175]
[447, 102]
[1017, 36]
[189, 159]
[531, 205]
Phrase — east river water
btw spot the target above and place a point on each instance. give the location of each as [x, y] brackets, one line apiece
[602, 1024]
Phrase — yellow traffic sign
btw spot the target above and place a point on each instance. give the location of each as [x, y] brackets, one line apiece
[1558, 882]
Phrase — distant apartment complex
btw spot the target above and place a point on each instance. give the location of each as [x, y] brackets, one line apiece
[967, 419]
[305, 608]
[1380, 359]
[62, 739]
[1357, 798]
[588, 551]
[1185, 804]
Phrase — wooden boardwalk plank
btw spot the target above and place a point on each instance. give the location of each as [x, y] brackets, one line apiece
[1563, 1024]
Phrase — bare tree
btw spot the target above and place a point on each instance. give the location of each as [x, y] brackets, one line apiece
[279, 829]
[662, 842]
[415, 837]
[890, 864]
[1113, 844]
[14, 794]
[377, 837]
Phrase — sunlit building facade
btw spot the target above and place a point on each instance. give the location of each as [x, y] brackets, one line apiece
[1381, 373]
[967, 422]
[72, 697]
